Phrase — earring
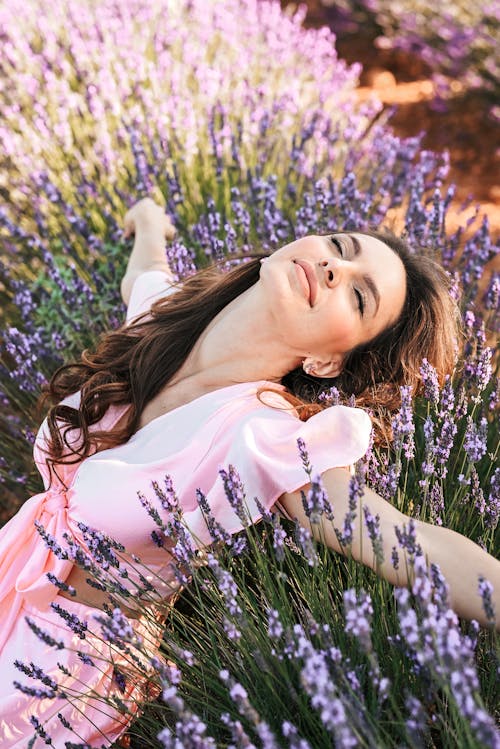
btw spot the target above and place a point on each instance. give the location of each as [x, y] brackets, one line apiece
[308, 367]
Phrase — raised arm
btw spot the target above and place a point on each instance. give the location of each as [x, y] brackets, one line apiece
[460, 560]
[151, 227]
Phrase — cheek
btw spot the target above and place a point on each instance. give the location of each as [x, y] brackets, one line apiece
[341, 328]
[273, 279]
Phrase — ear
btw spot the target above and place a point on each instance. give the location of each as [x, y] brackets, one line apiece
[324, 368]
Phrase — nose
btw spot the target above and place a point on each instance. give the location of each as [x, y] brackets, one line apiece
[333, 269]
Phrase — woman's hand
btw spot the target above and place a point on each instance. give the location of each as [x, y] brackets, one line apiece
[151, 227]
[148, 217]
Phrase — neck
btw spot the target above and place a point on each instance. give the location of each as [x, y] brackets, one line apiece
[241, 344]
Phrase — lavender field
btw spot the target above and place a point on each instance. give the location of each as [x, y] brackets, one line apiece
[244, 124]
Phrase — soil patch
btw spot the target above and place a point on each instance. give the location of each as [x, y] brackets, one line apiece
[464, 128]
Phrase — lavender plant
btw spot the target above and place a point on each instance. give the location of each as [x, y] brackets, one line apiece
[264, 650]
[242, 123]
[456, 41]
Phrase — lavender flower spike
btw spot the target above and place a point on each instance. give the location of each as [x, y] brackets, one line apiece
[485, 589]
[316, 502]
[235, 493]
[356, 491]
[358, 610]
[430, 382]
[402, 425]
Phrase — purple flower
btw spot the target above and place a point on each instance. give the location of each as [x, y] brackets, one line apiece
[447, 399]
[239, 735]
[408, 622]
[316, 502]
[434, 638]
[189, 733]
[227, 587]
[331, 397]
[167, 497]
[356, 491]
[279, 538]
[120, 680]
[153, 514]
[239, 695]
[44, 636]
[316, 679]
[65, 722]
[38, 692]
[304, 456]
[403, 426]
[373, 525]
[266, 736]
[235, 493]
[430, 382]
[116, 628]
[478, 370]
[232, 631]
[85, 658]
[274, 626]
[436, 499]
[485, 589]
[416, 722]
[407, 539]
[60, 584]
[290, 732]
[358, 610]
[35, 672]
[40, 729]
[475, 439]
[217, 532]
[494, 396]
[304, 540]
[493, 503]
[441, 448]
[267, 516]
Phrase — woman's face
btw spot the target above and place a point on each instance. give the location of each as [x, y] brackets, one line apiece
[329, 294]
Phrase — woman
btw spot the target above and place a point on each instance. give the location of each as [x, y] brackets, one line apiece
[216, 374]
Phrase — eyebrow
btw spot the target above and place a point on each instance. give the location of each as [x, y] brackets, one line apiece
[366, 278]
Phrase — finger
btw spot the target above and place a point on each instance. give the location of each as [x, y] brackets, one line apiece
[170, 230]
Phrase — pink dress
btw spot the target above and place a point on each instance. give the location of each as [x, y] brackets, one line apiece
[190, 443]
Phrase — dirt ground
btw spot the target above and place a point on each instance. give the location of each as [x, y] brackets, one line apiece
[465, 129]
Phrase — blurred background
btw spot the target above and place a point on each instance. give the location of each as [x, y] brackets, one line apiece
[438, 65]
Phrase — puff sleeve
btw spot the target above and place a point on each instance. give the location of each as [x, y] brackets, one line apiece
[148, 288]
[267, 452]
[264, 451]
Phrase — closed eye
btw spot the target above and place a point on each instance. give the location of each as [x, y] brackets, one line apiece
[359, 296]
[337, 244]
[361, 302]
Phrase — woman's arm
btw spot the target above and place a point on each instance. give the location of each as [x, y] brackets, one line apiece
[151, 227]
[460, 560]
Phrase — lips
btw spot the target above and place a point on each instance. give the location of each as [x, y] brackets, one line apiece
[310, 278]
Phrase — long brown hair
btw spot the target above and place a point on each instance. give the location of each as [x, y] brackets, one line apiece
[131, 365]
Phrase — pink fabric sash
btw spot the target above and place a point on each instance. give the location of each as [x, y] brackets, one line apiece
[25, 559]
